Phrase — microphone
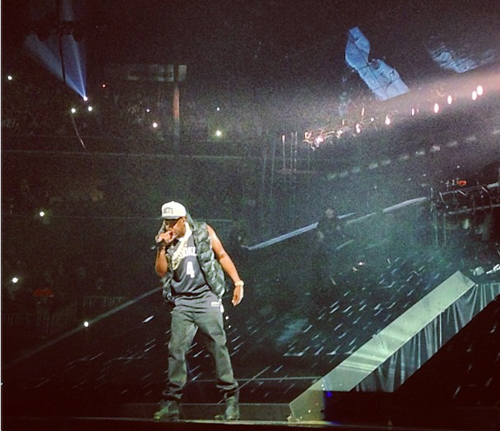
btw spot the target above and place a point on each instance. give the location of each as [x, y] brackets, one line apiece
[163, 243]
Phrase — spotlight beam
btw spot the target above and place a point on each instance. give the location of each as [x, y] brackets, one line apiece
[57, 48]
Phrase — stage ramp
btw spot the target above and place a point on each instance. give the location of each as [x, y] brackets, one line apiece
[392, 355]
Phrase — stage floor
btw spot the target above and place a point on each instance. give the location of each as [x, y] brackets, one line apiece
[275, 417]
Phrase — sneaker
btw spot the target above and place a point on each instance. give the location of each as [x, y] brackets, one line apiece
[169, 411]
[232, 411]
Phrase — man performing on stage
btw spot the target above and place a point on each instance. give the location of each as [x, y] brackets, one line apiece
[189, 259]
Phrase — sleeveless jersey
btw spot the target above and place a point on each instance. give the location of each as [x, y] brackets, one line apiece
[189, 287]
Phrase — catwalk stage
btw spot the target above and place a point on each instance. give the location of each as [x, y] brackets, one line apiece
[396, 337]
[375, 355]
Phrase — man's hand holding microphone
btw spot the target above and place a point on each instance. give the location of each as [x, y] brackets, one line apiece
[164, 239]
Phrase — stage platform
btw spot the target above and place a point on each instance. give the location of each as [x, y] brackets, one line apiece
[363, 413]
[133, 424]
[109, 375]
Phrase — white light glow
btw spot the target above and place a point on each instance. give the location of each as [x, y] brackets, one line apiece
[480, 90]
[85, 98]
[450, 99]
[41, 213]
[73, 110]
[86, 324]
[387, 120]
[155, 125]
[90, 109]
[436, 108]
[435, 148]
[15, 280]
[10, 77]
[474, 95]
[218, 133]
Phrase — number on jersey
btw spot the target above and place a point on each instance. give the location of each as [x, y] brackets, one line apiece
[190, 269]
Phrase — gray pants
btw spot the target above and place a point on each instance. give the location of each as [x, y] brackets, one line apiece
[184, 327]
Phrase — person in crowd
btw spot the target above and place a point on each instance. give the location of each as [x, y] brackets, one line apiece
[238, 241]
[330, 231]
[328, 258]
[43, 294]
[191, 261]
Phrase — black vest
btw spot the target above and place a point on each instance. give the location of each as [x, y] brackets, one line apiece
[210, 266]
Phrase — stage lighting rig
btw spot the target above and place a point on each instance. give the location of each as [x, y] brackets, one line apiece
[46, 28]
[460, 199]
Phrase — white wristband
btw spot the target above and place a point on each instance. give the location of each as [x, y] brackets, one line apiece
[239, 283]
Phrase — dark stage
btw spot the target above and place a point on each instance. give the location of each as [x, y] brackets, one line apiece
[109, 375]
[394, 326]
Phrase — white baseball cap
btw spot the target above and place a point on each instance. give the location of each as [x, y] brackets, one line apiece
[173, 210]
